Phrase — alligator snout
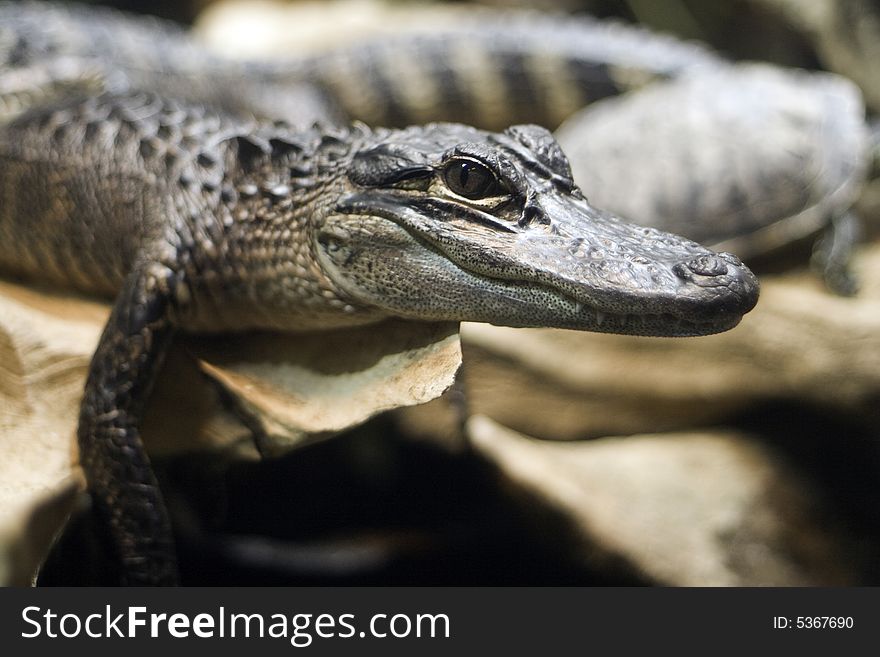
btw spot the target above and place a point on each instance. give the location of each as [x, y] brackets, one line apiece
[703, 265]
[736, 287]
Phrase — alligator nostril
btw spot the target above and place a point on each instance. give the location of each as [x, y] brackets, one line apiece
[704, 265]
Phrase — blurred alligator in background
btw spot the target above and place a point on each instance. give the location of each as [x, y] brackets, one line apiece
[492, 69]
[189, 181]
[518, 67]
[753, 159]
[206, 221]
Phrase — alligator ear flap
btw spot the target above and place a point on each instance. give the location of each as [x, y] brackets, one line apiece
[390, 165]
[546, 149]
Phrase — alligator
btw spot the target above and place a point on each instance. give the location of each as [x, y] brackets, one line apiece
[490, 71]
[199, 220]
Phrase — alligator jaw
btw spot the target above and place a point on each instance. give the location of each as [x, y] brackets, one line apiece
[586, 270]
[522, 248]
[648, 324]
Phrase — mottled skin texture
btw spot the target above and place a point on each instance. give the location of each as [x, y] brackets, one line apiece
[207, 220]
[720, 175]
[141, 52]
[489, 71]
[202, 221]
[769, 155]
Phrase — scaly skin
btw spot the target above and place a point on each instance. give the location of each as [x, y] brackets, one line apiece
[486, 68]
[785, 166]
[140, 52]
[198, 220]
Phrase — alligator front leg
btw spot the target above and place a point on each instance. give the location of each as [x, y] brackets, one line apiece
[118, 471]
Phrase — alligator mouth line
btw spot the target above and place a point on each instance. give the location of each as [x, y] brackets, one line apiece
[647, 324]
[584, 315]
[656, 324]
[587, 315]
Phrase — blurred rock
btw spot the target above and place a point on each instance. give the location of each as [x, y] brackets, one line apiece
[231, 394]
[800, 343]
[748, 158]
[702, 508]
[45, 347]
[297, 388]
[248, 28]
[846, 34]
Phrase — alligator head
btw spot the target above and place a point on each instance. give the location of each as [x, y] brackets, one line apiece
[449, 222]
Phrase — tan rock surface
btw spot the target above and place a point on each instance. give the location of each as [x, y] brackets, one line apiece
[800, 343]
[291, 388]
[697, 508]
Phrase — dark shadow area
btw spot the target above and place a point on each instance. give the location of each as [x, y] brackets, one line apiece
[840, 455]
[368, 507]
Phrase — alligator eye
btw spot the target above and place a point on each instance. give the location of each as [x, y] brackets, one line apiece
[471, 179]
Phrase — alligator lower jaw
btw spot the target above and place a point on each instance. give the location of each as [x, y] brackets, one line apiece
[646, 324]
[673, 327]
[536, 303]
[584, 316]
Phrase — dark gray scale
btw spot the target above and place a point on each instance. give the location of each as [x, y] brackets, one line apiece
[98, 211]
[429, 223]
[494, 69]
[752, 159]
[32, 32]
[70, 46]
[27, 85]
[488, 68]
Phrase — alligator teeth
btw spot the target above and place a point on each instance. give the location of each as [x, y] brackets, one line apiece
[600, 317]
[578, 307]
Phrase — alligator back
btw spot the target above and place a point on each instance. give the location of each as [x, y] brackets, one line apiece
[147, 53]
[85, 183]
[494, 69]
[96, 186]
[488, 69]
